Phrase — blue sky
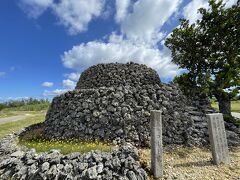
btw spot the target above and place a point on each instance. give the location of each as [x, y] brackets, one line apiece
[45, 44]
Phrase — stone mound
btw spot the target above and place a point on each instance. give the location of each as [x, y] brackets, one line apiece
[112, 102]
[109, 75]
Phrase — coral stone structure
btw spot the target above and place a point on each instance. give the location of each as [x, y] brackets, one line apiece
[112, 102]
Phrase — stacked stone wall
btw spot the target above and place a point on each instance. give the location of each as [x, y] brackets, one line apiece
[112, 102]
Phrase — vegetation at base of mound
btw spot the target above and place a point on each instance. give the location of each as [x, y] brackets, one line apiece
[35, 139]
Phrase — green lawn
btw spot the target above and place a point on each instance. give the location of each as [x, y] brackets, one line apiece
[7, 113]
[10, 127]
[36, 139]
[234, 104]
[65, 146]
[26, 109]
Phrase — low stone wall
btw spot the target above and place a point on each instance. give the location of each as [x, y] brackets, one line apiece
[122, 163]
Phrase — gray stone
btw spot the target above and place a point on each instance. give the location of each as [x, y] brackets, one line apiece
[131, 175]
[91, 173]
[45, 166]
[100, 168]
[218, 139]
[17, 154]
[156, 144]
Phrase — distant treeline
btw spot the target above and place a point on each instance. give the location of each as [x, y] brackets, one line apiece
[30, 104]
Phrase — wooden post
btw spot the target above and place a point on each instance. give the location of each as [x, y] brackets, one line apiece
[156, 144]
[218, 138]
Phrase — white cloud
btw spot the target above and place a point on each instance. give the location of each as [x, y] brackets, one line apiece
[121, 9]
[69, 84]
[34, 8]
[190, 11]
[118, 50]
[47, 84]
[73, 76]
[76, 14]
[147, 17]
[73, 14]
[2, 74]
[54, 92]
[229, 3]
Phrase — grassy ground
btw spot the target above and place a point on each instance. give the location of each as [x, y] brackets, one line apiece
[10, 127]
[35, 139]
[185, 163]
[8, 113]
[26, 109]
[31, 107]
[234, 104]
[66, 146]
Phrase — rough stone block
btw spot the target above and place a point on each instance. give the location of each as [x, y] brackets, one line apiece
[218, 139]
[156, 144]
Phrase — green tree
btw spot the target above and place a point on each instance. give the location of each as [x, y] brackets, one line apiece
[210, 50]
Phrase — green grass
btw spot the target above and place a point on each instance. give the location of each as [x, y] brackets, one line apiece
[234, 104]
[28, 107]
[65, 146]
[10, 127]
[8, 113]
[35, 139]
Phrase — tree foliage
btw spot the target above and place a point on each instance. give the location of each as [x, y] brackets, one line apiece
[210, 50]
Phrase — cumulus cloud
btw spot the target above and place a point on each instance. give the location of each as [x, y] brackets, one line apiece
[121, 9]
[76, 14]
[140, 23]
[69, 84]
[56, 92]
[143, 24]
[47, 84]
[73, 14]
[119, 50]
[2, 74]
[34, 8]
[229, 3]
[190, 11]
[73, 76]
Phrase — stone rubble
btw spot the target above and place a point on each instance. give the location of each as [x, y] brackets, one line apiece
[122, 163]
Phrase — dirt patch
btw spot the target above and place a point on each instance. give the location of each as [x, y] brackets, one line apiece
[194, 163]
